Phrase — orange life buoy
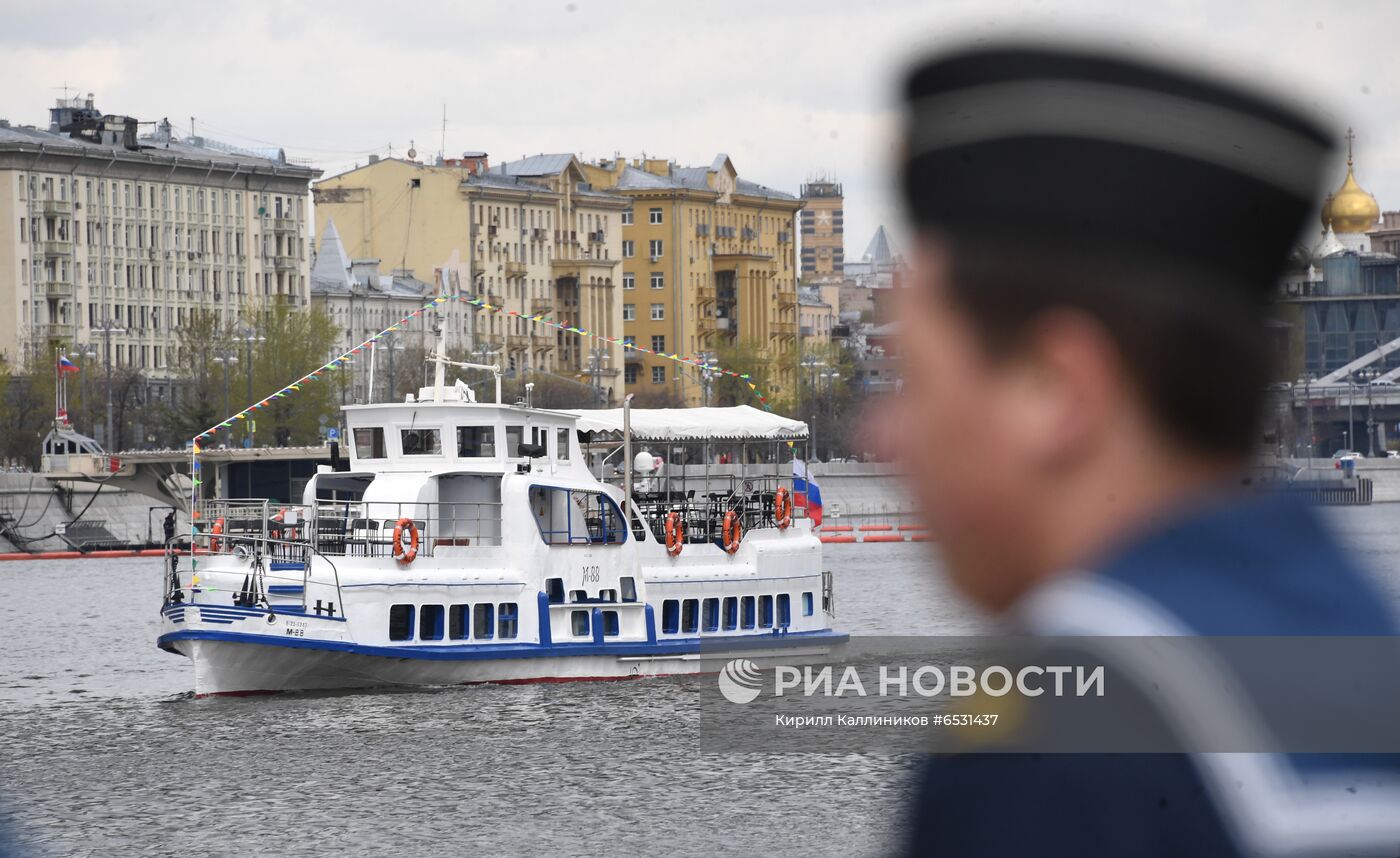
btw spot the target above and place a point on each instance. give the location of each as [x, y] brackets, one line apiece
[733, 531]
[782, 508]
[217, 529]
[400, 553]
[675, 533]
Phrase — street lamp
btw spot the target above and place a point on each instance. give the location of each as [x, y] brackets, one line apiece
[709, 370]
[227, 357]
[248, 336]
[597, 357]
[1368, 377]
[810, 364]
[87, 351]
[1306, 381]
[109, 327]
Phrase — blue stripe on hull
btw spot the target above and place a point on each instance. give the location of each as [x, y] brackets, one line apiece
[484, 652]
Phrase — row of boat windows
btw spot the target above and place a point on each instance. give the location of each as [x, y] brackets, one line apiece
[479, 621]
[689, 616]
[626, 588]
[473, 442]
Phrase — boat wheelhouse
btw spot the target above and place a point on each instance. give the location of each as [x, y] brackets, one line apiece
[470, 542]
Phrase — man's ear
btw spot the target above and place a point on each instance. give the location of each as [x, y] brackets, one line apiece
[1069, 386]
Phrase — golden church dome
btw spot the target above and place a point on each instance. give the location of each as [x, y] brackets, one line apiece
[1350, 209]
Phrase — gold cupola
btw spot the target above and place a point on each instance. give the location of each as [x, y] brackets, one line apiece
[1350, 209]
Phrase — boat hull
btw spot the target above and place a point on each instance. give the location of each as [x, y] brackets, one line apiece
[231, 667]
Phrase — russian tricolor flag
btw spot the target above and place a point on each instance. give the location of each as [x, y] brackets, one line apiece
[65, 365]
[806, 493]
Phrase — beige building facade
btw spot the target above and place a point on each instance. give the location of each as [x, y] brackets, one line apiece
[102, 230]
[708, 260]
[530, 235]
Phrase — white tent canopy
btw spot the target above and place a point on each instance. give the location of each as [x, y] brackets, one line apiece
[739, 423]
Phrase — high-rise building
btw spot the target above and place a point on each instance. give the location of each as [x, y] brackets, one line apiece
[823, 230]
[112, 239]
[708, 259]
[530, 235]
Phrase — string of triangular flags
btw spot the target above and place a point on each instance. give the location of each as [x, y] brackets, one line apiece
[544, 319]
[332, 364]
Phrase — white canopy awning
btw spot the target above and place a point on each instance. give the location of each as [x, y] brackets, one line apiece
[739, 423]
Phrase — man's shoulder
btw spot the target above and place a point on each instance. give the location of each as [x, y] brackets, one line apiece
[1258, 565]
[1065, 804]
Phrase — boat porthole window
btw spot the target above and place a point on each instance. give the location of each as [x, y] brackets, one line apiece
[459, 622]
[765, 612]
[670, 616]
[508, 620]
[690, 616]
[731, 613]
[807, 607]
[483, 620]
[430, 623]
[401, 622]
[711, 615]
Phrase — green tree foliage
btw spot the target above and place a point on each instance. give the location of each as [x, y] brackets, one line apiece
[294, 343]
[26, 415]
[200, 398]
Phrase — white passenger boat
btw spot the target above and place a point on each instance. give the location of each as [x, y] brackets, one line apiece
[470, 542]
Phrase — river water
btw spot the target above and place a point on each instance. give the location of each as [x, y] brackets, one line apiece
[104, 751]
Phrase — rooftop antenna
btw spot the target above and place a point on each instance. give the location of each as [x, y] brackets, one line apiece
[443, 149]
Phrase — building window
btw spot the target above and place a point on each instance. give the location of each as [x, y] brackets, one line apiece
[670, 617]
[458, 622]
[654, 248]
[476, 442]
[430, 623]
[629, 374]
[629, 281]
[731, 613]
[578, 620]
[807, 606]
[749, 613]
[711, 615]
[401, 622]
[658, 343]
[627, 218]
[658, 281]
[629, 248]
[629, 312]
[784, 610]
[420, 442]
[765, 612]
[654, 216]
[483, 619]
[658, 375]
[611, 627]
[690, 616]
[508, 619]
[369, 443]
[658, 312]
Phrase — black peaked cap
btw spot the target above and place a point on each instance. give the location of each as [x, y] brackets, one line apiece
[1088, 153]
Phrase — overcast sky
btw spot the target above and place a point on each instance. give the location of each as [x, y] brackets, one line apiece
[787, 89]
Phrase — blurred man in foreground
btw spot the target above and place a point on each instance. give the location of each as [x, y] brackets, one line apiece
[1085, 361]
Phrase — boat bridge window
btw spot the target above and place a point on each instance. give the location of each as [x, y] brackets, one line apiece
[576, 517]
[515, 435]
[369, 442]
[476, 442]
[562, 447]
[420, 442]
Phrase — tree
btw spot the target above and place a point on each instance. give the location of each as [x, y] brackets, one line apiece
[200, 401]
[294, 343]
[26, 415]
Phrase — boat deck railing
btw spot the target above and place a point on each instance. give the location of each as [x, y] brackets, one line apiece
[754, 499]
[345, 528]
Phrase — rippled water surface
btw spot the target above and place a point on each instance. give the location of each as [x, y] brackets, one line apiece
[103, 751]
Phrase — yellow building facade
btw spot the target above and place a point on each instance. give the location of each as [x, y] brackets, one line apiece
[530, 235]
[708, 260]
